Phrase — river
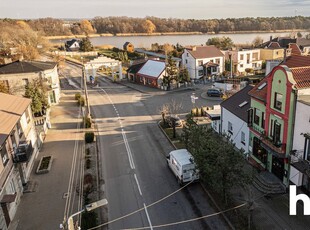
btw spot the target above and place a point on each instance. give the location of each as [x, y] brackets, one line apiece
[184, 40]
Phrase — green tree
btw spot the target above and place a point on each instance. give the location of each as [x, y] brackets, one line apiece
[223, 43]
[184, 75]
[85, 45]
[220, 165]
[37, 92]
[171, 71]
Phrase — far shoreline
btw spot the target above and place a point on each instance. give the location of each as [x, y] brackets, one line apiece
[170, 33]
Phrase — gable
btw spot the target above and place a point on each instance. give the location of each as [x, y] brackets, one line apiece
[152, 68]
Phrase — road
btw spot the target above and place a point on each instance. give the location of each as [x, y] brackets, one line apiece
[134, 169]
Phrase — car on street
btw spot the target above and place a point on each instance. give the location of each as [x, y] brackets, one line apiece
[214, 93]
[173, 119]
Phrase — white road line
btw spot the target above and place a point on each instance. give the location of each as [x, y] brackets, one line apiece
[132, 164]
[138, 184]
[148, 217]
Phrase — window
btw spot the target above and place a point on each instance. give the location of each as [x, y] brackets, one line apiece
[255, 56]
[307, 146]
[243, 138]
[241, 65]
[4, 154]
[27, 115]
[250, 117]
[248, 58]
[200, 62]
[217, 61]
[278, 101]
[263, 120]
[186, 61]
[241, 56]
[19, 129]
[200, 72]
[271, 128]
[186, 54]
[276, 133]
[256, 116]
[230, 128]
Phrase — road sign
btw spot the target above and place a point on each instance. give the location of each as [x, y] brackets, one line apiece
[193, 98]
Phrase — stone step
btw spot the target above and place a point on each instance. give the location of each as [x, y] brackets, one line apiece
[268, 187]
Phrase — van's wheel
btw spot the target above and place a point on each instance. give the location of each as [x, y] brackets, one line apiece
[180, 182]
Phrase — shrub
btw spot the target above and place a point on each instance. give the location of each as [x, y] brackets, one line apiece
[88, 163]
[77, 96]
[89, 137]
[87, 122]
[81, 101]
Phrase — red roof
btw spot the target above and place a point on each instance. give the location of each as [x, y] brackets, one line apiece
[296, 61]
[199, 52]
[294, 49]
[274, 45]
[260, 90]
[302, 77]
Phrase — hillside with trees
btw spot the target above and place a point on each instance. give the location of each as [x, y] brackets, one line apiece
[115, 25]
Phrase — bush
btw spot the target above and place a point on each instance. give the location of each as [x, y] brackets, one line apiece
[77, 96]
[81, 101]
[87, 122]
[89, 137]
[88, 163]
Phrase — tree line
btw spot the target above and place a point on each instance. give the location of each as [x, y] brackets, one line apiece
[114, 25]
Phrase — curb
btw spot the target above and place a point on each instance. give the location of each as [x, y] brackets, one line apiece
[206, 191]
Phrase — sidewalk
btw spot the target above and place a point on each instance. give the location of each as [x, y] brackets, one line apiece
[43, 208]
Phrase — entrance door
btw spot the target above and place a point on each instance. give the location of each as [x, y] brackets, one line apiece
[277, 167]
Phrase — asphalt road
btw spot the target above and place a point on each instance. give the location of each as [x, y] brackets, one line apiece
[134, 169]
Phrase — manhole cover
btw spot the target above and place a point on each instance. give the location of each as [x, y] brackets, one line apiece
[65, 195]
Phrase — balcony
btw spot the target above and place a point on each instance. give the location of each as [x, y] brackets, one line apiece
[23, 152]
[272, 146]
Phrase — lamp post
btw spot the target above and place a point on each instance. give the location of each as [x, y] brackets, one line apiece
[87, 208]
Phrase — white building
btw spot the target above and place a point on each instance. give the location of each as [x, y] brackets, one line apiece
[300, 157]
[19, 147]
[234, 118]
[203, 61]
[244, 59]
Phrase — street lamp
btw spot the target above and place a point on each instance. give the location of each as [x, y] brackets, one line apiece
[87, 208]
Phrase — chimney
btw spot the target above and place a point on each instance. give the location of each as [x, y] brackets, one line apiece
[271, 38]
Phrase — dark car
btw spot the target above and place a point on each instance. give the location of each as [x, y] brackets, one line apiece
[173, 119]
[214, 93]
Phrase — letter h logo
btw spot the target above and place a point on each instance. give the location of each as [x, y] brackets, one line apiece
[293, 201]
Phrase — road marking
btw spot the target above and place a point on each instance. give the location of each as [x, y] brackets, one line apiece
[132, 164]
[148, 217]
[138, 184]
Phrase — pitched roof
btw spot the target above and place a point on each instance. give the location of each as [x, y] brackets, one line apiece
[302, 77]
[134, 68]
[294, 49]
[152, 68]
[71, 42]
[260, 90]
[274, 45]
[303, 42]
[296, 61]
[26, 67]
[239, 103]
[199, 52]
[11, 109]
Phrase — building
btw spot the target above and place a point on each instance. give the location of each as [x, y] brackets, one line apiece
[129, 47]
[15, 76]
[72, 45]
[234, 118]
[203, 61]
[272, 114]
[151, 73]
[19, 147]
[244, 60]
[134, 69]
[300, 154]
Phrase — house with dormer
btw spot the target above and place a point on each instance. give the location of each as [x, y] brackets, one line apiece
[16, 75]
[272, 114]
[19, 146]
[203, 61]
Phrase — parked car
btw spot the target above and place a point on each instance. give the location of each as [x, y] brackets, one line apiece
[171, 119]
[214, 93]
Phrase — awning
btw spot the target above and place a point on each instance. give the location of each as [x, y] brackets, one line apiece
[8, 198]
[210, 64]
[278, 152]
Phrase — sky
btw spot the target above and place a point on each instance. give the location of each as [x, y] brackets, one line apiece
[187, 9]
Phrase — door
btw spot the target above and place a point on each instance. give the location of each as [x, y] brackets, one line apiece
[278, 167]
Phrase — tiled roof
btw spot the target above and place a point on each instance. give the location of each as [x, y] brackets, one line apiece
[232, 103]
[302, 77]
[296, 61]
[260, 90]
[294, 49]
[11, 109]
[26, 67]
[303, 42]
[199, 52]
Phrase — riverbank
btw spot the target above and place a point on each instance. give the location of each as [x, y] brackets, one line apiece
[170, 33]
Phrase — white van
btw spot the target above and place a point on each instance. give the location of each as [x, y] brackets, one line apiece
[182, 165]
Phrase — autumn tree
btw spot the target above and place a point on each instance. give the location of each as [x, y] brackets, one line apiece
[4, 88]
[184, 75]
[258, 40]
[86, 27]
[149, 26]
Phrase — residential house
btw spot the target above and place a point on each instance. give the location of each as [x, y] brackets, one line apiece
[151, 73]
[18, 147]
[18, 74]
[234, 118]
[129, 47]
[72, 45]
[300, 154]
[203, 61]
[243, 60]
[271, 117]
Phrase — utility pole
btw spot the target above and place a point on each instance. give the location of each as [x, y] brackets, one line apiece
[85, 91]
